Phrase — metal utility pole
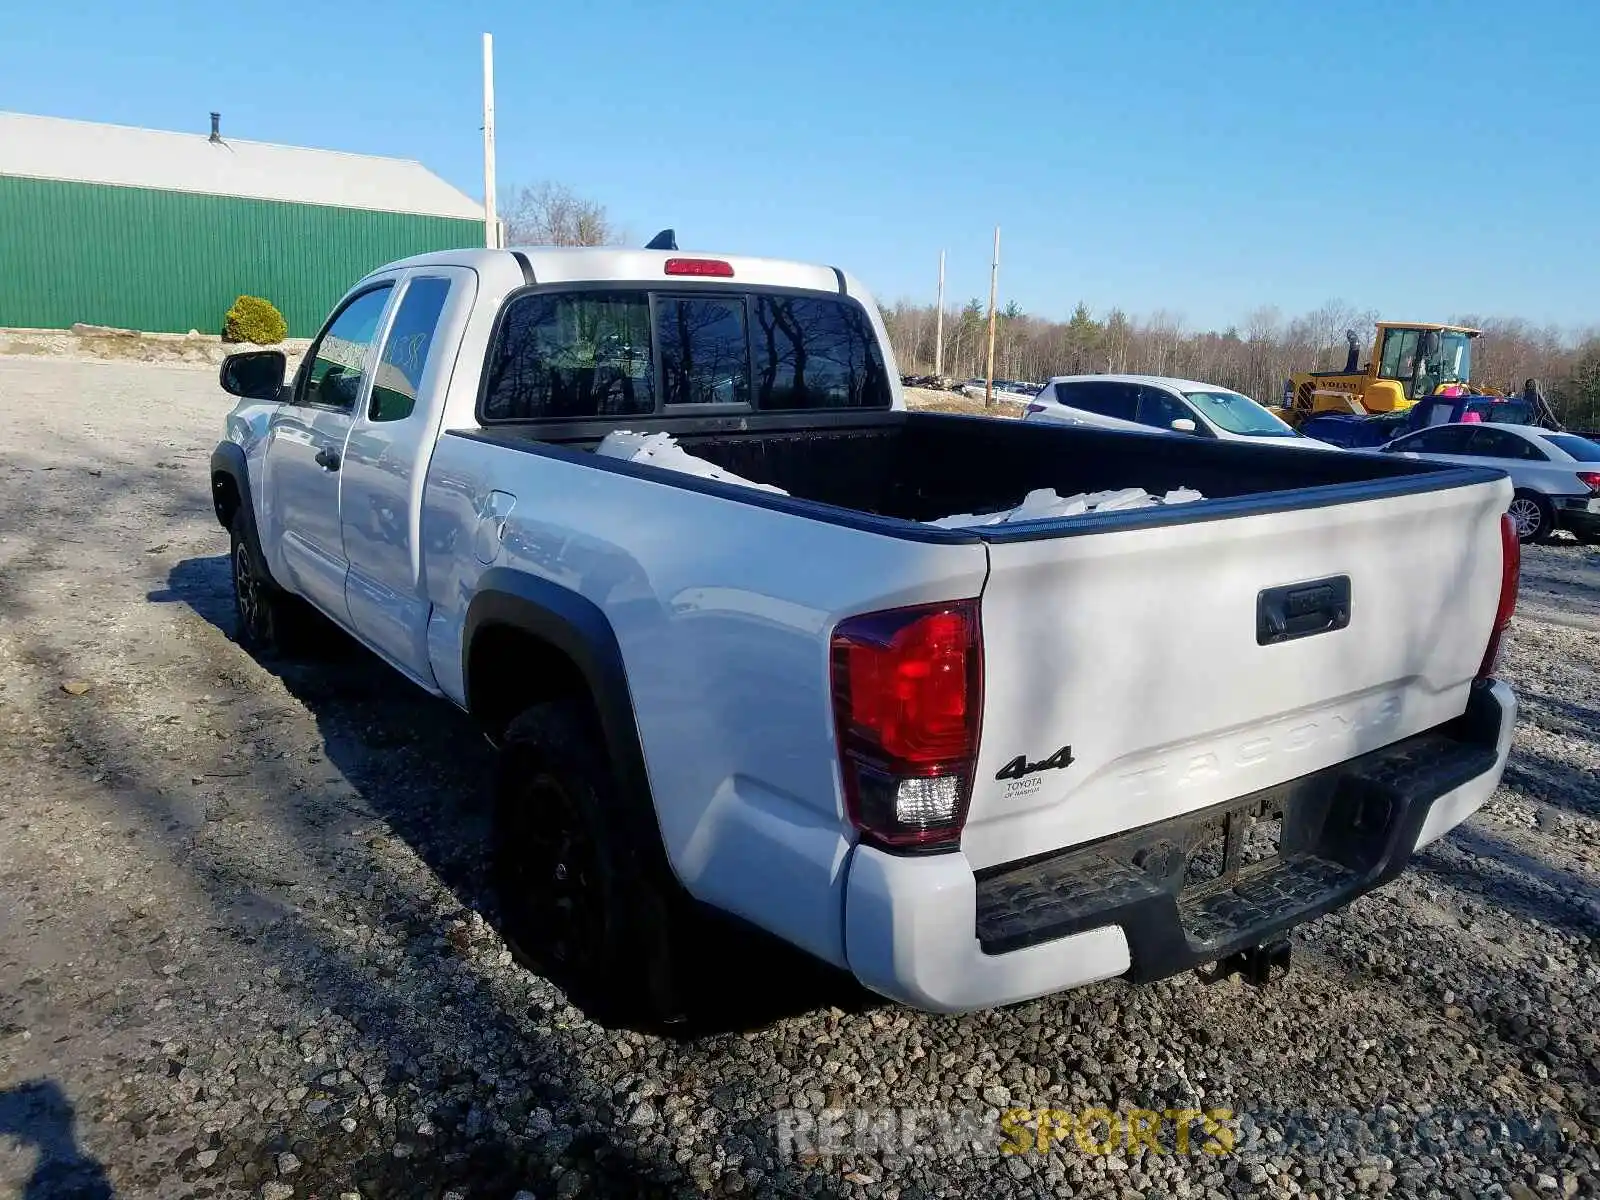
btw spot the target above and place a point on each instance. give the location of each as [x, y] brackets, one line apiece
[938, 325]
[491, 220]
[994, 281]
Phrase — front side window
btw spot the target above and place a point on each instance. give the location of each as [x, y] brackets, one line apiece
[815, 352]
[338, 362]
[1497, 443]
[1159, 409]
[705, 355]
[571, 355]
[405, 350]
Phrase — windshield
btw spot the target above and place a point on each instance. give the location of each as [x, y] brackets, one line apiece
[1453, 362]
[1580, 448]
[1505, 412]
[1239, 414]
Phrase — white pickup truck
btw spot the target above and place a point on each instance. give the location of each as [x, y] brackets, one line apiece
[971, 765]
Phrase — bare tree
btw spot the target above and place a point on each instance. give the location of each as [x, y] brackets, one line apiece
[552, 214]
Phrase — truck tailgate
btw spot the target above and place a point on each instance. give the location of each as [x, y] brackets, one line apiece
[1138, 674]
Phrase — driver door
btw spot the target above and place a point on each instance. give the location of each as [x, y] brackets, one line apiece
[305, 451]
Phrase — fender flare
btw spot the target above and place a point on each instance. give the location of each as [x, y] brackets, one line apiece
[228, 461]
[577, 627]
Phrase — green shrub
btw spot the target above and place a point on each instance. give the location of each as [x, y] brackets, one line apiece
[252, 319]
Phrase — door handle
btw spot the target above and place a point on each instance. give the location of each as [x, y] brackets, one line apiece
[328, 457]
[1302, 610]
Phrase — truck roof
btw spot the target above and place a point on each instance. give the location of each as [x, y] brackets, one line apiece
[589, 264]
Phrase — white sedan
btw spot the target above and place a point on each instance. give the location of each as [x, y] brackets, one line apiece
[1155, 402]
[1556, 475]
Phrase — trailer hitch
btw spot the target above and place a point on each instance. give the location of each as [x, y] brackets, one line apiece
[1253, 965]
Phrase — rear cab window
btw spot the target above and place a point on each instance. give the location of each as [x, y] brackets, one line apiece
[571, 355]
[592, 354]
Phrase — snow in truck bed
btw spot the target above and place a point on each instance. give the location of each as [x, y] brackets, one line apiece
[662, 450]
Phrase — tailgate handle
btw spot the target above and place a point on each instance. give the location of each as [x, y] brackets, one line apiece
[1299, 610]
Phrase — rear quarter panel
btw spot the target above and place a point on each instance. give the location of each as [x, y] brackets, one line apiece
[723, 613]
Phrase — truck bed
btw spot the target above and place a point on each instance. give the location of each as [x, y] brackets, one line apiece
[892, 470]
[1316, 607]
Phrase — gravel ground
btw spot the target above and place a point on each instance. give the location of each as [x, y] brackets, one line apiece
[241, 949]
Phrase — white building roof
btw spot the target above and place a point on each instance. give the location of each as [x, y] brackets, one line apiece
[87, 152]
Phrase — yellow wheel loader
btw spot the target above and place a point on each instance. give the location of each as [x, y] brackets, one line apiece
[1409, 362]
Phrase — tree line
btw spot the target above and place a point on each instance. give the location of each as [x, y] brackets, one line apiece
[1255, 357]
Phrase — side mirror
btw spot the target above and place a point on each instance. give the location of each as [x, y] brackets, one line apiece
[1183, 425]
[254, 375]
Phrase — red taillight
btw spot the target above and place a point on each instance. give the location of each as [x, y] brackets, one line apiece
[907, 703]
[1590, 480]
[1510, 578]
[705, 267]
[1035, 408]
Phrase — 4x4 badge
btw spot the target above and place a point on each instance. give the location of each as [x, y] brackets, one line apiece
[1019, 767]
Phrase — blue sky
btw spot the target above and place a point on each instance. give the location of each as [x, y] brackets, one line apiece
[1198, 156]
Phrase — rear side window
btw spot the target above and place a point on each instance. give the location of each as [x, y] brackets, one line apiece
[570, 356]
[1581, 448]
[812, 352]
[1108, 399]
[405, 351]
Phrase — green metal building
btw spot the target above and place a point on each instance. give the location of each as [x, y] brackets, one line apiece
[156, 231]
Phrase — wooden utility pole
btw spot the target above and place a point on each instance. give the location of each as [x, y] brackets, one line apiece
[491, 220]
[994, 282]
[938, 325]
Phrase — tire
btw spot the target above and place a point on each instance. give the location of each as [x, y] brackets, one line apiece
[1535, 519]
[582, 899]
[269, 622]
[1587, 539]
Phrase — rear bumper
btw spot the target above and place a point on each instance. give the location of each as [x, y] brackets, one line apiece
[1578, 515]
[930, 933]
